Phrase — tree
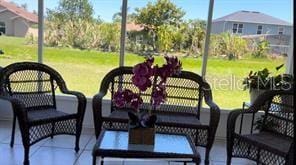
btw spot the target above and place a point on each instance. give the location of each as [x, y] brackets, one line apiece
[24, 6]
[154, 15]
[196, 31]
[72, 10]
[110, 35]
[165, 35]
[180, 37]
[197, 39]
[159, 13]
[99, 20]
[70, 19]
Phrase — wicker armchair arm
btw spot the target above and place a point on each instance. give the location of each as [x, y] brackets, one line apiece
[81, 101]
[97, 104]
[97, 110]
[231, 120]
[214, 113]
[214, 108]
[214, 119]
[18, 108]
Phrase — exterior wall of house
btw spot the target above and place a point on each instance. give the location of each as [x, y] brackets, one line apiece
[218, 27]
[5, 17]
[17, 27]
[251, 28]
[21, 27]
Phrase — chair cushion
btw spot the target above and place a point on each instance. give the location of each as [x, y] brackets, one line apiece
[178, 120]
[276, 142]
[47, 115]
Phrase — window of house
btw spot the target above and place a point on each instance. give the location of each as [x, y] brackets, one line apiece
[237, 28]
[234, 28]
[281, 30]
[259, 29]
[2, 28]
[240, 28]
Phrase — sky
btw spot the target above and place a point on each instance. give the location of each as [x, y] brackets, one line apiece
[195, 9]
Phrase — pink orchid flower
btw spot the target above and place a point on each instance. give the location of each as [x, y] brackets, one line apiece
[141, 82]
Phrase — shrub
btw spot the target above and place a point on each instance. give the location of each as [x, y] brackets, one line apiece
[165, 34]
[30, 39]
[110, 36]
[260, 48]
[233, 46]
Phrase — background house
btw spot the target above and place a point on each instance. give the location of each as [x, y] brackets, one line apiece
[254, 25]
[250, 23]
[15, 20]
[134, 32]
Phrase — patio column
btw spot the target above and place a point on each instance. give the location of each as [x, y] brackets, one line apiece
[123, 32]
[207, 39]
[40, 29]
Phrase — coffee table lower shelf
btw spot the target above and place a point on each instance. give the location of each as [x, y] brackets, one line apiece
[171, 147]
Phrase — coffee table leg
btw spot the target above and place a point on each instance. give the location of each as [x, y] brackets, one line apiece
[197, 161]
[102, 160]
[94, 160]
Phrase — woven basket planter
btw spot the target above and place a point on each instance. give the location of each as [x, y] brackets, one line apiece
[144, 136]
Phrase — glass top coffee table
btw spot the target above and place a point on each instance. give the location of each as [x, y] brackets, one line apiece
[171, 147]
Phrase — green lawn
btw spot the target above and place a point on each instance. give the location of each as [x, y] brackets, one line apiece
[83, 70]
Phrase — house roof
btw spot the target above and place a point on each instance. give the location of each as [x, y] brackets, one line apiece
[134, 27]
[252, 17]
[19, 11]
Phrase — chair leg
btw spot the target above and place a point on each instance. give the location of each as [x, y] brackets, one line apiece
[229, 148]
[207, 158]
[228, 161]
[13, 131]
[26, 157]
[78, 133]
[98, 131]
[52, 129]
[77, 143]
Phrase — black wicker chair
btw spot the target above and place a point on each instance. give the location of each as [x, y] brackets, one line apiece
[31, 88]
[272, 143]
[180, 113]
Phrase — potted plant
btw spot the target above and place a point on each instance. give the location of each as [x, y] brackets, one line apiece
[145, 76]
[262, 80]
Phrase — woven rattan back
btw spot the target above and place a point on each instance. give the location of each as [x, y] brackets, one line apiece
[184, 92]
[30, 83]
[183, 95]
[279, 116]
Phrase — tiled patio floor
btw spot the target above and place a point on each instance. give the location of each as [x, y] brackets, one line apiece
[59, 151]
